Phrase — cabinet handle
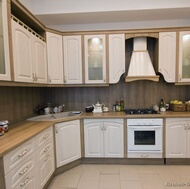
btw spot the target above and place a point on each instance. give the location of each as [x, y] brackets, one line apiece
[23, 153]
[102, 128]
[65, 80]
[56, 130]
[45, 136]
[49, 79]
[46, 149]
[25, 182]
[24, 171]
[104, 79]
[144, 156]
[179, 77]
[36, 78]
[33, 77]
[47, 157]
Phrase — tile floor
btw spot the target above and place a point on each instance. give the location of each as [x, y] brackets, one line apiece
[90, 176]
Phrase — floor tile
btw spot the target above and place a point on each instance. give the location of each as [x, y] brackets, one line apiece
[88, 184]
[131, 185]
[66, 180]
[110, 169]
[109, 182]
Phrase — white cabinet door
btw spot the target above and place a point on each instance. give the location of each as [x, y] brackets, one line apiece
[103, 138]
[4, 43]
[22, 54]
[39, 60]
[113, 138]
[93, 137]
[116, 57]
[68, 145]
[184, 54]
[55, 58]
[95, 58]
[176, 144]
[167, 55]
[72, 59]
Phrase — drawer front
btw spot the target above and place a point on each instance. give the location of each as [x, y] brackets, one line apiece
[45, 149]
[29, 182]
[46, 168]
[16, 175]
[18, 155]
[43, 137]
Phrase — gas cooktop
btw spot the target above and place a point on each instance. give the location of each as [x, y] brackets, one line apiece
[140, 111]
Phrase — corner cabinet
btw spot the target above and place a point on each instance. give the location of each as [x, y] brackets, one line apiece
[95, 58]
[103, 138]
[178, 138]
[72, 59]
[4, 43]
[116, 57]
[167, 56]
[29, 54]
[54, 58]
[184, 56]
[68, 144]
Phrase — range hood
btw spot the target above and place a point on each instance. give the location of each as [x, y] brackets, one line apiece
[140, 67]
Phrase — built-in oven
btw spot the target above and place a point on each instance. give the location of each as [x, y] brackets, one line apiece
[144, 138]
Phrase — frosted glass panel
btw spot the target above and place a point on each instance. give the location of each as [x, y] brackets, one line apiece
[95, 59]
[186, 57]
[2, 58]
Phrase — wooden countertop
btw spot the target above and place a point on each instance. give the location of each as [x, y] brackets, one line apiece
[25, 130]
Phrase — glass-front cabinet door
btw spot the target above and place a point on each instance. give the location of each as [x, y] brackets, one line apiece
[184, 56]
[95, 59]
[4, 43]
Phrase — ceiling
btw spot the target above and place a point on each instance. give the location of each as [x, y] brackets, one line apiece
[69, 18]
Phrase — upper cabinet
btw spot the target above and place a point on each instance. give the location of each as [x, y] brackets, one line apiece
[29, 54]
[54, 58]
[72, 59]
[4, 43]
[167, 55]
[95, 58]
[116, 57]
[184, 57]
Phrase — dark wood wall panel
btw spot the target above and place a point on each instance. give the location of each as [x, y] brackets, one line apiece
[141, 94]
[17, 103]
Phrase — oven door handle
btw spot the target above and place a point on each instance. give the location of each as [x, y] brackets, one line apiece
[144, 127]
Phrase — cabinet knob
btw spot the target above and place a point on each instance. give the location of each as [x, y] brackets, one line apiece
[65, 80]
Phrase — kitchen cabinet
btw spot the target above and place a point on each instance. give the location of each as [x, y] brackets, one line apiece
[4, 43]
[104, 138]
[54, 58]
[167, 56]
[184, 56]
[72, 59]
[68, 145]
[116, 57]
[31, 164]
[29, 54]
[177, 137]
[95, 58]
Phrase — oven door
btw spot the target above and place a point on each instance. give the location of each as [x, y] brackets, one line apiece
[144, 138]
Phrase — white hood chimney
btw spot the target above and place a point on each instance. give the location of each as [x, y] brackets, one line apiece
[140, 67]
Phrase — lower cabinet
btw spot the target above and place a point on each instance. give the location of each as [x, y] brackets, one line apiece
[68, 142]
[104, 138]
[178, 138]
[31, 164]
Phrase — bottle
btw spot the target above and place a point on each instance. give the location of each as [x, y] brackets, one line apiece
[162, 105]
[122, 104]
[116, 106]
[119, 107]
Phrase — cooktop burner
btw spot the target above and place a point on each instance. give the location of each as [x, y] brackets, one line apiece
[140, 111]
